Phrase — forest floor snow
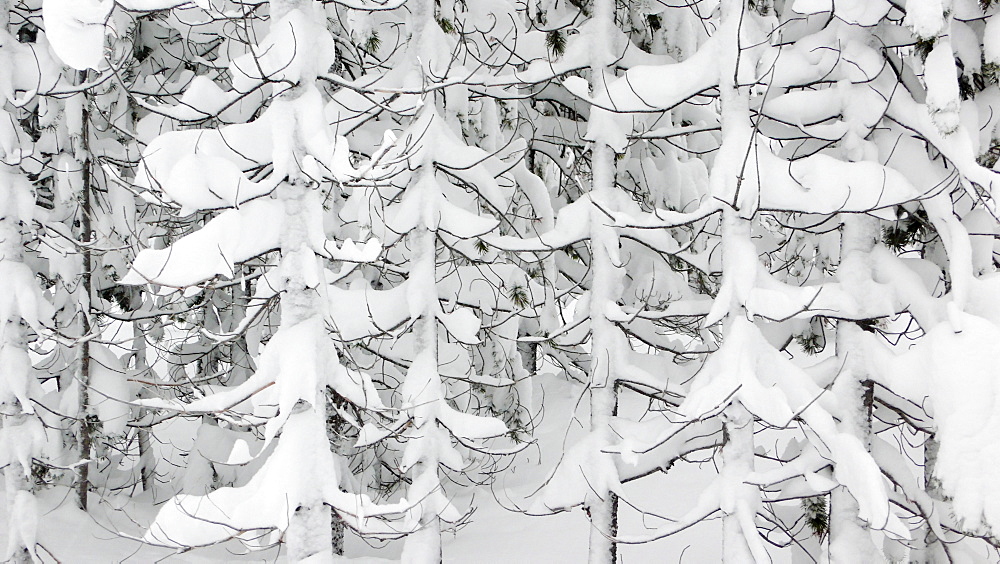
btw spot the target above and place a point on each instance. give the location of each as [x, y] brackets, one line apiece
[495, 534]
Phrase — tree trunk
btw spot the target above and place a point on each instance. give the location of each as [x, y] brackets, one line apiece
[604, 512]
[424, 545]
[336, 426]
[606, 284]
[337, 533]
[309, 532]
[604, 292]
[87, 424]
[147, 460]
[737, 462]
[931, 551]
[529, 357]
[850, 537]
[739, 501]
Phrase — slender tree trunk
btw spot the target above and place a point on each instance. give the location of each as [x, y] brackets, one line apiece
[850, 537]
[87, 422]
[309, 532]
[522, 390]
[529, 357]
[603, 512]
[336, 426]
[604, 292]
[737, 462]
[931, 551]
[424, 545]
[422, 384]
[602, 505]
[147, 459]
[337, 533]
[313, 528]
[740, 501]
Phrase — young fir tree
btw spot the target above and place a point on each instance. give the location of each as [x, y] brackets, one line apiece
[23, 310]
[25, 314]
[293, 491]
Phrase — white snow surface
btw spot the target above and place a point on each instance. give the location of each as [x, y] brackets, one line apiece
[112, 531]
[75, 29]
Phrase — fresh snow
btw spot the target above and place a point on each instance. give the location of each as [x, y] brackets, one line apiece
[499, 281]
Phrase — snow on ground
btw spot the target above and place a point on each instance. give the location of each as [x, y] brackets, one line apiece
[496, 533]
